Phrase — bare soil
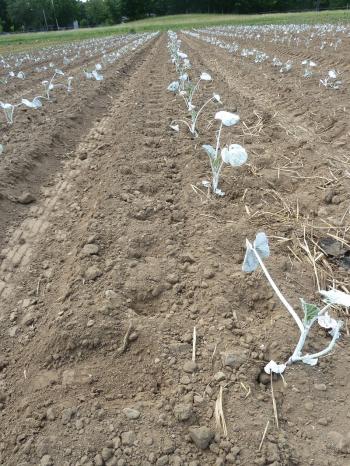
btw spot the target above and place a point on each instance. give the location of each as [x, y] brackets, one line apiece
[121, 254]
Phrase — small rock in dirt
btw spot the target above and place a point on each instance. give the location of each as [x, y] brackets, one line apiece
[46, 460]
[133, 336]
[89, 250]
[112, 462]
[98, 460]
[320, 387]
[51, 414]
[219, 376]
[234, 358]
[189, 367]
[201, 436]
[163, 460]
[28, 319]
[92, 273]
[185, 380]
[3, 396]
[12, 331]
[309, 406]
[323, 421]
[183, 412]
[26, 198]
[3, 363]
[264, 378]
[339, 441]
[131, 413]
[128, 438]
[172, 278]
[208, 273]
[107, 453]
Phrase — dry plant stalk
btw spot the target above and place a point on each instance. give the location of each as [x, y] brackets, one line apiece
[194, 344]
[124, 345]
[264, 434]
[274, 404]
[219, 414]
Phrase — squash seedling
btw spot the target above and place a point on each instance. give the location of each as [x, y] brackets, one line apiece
[234, 155]
[255, 253]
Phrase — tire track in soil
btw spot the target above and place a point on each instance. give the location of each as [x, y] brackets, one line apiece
[166, 255]
[120, 175]
[28, 162]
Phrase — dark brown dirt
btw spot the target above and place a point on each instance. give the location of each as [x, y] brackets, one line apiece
[119, 243]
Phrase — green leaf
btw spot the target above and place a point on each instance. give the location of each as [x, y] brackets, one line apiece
[310, 311]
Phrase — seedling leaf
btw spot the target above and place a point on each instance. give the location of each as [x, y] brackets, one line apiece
[261, 246]
[310, 311]
[209, 150]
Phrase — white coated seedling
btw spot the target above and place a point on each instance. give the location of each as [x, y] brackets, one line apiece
[255, 253]
[234, 155]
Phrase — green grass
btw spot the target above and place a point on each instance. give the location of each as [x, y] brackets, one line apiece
[18, 42]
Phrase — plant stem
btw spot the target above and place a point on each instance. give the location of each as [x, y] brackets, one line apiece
[199, 111]
[194, 90]
[277, 291]
[296, 356]
[218, 141]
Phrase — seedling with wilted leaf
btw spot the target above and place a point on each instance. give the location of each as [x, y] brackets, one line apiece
[8, 111]
[255, 253]
[331, 80]
[308, 68]
[234, 155]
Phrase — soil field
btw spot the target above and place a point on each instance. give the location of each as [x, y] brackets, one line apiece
[112, 252]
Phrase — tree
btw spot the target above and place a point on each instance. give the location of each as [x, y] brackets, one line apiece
[96, 12]
[114, 9]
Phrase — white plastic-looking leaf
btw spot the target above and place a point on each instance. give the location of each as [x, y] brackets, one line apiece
[209, 150]
[175, 127]
[174, 86]
[235, 155]
[275, 368]
[310, 361]
[8, 110]
[97, 76]
[217, 98]
[35, 103]
[261, 246]
[227, 118]
[205, 77]
[336, 297]
[219, 192]
[327, 322]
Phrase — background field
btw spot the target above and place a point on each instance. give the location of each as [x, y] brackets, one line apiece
[17, 42]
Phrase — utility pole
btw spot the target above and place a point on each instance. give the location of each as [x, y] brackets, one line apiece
[47, 28]
[54, 12]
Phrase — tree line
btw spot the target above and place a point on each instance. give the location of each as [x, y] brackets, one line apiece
[17, 15]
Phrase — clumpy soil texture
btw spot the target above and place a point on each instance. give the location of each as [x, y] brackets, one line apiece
[112, 252]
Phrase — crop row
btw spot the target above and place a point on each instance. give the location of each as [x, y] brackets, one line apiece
[186, 88]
